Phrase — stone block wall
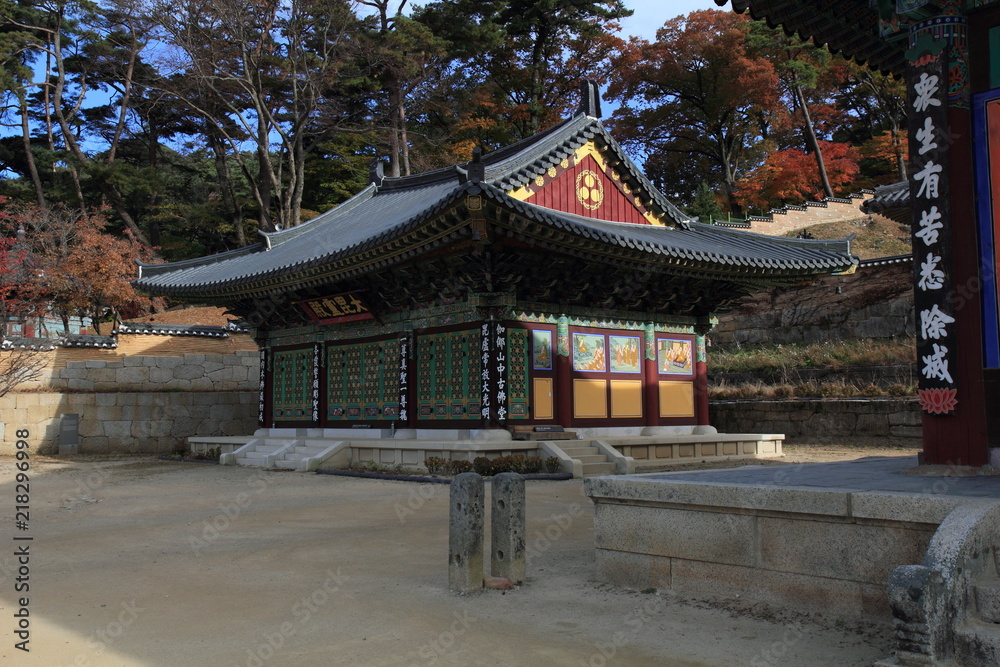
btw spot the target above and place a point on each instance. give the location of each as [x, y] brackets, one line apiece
[139, 404]
[149, 422]
[813, 419]
[787, 220]
[192, 372]
[874, 302]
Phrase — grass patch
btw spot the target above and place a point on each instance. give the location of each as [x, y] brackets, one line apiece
[833, 354]
[840, 389]
[876, 236]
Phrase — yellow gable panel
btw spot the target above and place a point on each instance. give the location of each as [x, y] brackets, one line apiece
[584, 184]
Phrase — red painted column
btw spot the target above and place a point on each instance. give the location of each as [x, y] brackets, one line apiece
[564, 374]
[700, 381]
[651, 379]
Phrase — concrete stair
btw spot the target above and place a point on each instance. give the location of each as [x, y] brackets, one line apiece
[594, 462]
[300, 454]
[257, 454]
[292, 458]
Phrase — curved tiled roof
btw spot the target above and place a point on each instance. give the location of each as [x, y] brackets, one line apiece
[359, 223]
[703, 243]
[892, 201]
[393, 211]
[848, 27]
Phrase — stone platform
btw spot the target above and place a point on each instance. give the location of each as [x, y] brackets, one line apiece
[821, 537]
[594, 452]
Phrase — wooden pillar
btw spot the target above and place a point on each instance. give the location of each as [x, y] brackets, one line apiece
[650, 379]
[564, 374]
[264, 389]
[700, 381]
[945, 245]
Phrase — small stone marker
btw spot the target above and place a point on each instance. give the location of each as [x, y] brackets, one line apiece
[69, 435]
[507, 541]
[465, 533]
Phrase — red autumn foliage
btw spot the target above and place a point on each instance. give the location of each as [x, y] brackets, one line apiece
[791, 176]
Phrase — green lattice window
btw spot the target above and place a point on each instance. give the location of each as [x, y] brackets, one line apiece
[292, 398]
[517, 374]
[448, 370]
[363, 381]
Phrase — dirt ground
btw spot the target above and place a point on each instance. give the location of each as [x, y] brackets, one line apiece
[146, 562]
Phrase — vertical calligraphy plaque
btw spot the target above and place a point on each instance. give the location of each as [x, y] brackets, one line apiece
[486, 405]
[500, 356]
[262, 388]
[404, 378]
[929, 138]
[317, 351]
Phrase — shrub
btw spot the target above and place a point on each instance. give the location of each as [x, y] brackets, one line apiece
[482, 465]
[435, 465]
[456, 466]
[552, 464]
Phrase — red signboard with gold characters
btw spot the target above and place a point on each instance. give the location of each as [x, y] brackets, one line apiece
[346, 307]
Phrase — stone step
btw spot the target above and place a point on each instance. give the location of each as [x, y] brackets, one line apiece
[253, 463]
[267, 449]
[276, 443]
[594, 469]
[287, 464]
[596, 458]
[309, 450]
[532, 436]
[977, 643]
[576, 452]
[256, 454]
[988, 601]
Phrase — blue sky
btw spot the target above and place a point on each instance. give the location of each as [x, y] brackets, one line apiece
[651, 14]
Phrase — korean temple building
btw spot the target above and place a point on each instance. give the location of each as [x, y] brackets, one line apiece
[545, 283]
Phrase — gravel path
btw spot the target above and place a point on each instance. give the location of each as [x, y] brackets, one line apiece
[145, 562]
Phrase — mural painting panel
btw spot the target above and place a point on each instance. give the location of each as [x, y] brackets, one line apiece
[541, 350]
[626, 354]
[674, 356]
[589, 353]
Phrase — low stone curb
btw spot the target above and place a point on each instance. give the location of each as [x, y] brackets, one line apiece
[165, 457]
[435, 480]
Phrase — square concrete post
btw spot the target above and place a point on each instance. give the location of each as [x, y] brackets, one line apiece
[507, 538]
[465, 533]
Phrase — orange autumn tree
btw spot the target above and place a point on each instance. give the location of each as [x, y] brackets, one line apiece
[74, 266]
[791, 176]
[696, 104]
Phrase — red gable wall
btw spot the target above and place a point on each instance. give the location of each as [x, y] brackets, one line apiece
[584, 189]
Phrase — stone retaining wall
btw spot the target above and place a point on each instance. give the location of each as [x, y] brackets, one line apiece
[801, 419]
[194, 372]
[873, 302]
[151, 422]
[138, 404]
